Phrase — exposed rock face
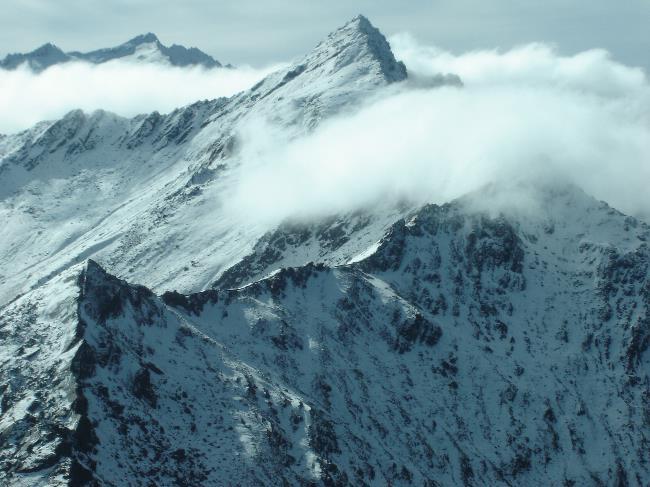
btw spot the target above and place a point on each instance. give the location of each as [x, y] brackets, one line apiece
[466, 348]
[332, 241]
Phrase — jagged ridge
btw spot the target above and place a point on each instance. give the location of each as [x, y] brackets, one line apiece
[458, 351]
[49, 55]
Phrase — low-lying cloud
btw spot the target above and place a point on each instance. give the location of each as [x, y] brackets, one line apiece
[527, 113]
[523, 114]
[124, 87]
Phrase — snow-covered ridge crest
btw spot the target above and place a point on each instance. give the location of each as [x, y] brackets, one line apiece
[142, 48]
[338, 74]
[359, 39]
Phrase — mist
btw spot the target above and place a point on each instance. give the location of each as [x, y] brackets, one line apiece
[123, 87]
[524, 114]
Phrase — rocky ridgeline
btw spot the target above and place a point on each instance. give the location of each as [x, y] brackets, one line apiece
[458, 352]
[49, 55]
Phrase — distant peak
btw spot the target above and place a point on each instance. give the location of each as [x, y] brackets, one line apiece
[359, 36]
[362, 22]
[49, 54]
[38, 59]
[144, 39]
[46, 48]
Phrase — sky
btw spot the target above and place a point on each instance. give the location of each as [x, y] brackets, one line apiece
[259, 33]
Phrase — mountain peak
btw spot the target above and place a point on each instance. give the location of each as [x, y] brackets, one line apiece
[48, 54]
[362, 23]
[93, 267]
[351, 61]
[46, 48]
[176, 55]
[38, 59]
[143, 39]
[358, 41]
[363, 26]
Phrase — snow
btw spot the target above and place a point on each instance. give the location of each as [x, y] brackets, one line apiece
[144, 48]
[143, 195]
[517, 375]
[366, 253]
[147, 53]
[468, 343]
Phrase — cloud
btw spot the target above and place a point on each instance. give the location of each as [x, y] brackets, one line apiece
[531, 65]
[123, 87]
[523, 114]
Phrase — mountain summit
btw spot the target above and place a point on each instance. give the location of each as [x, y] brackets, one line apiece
[39, 59]
[358, 40]
[145, 47]
[352, 62]
[144, 38]
[148, 46]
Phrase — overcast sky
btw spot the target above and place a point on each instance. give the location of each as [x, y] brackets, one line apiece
[259, 32]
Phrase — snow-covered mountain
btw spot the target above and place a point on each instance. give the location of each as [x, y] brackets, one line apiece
[145, 196]
[143, 48]
[469, 343]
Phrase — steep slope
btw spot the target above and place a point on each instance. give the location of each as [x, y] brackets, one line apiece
[142, 48]
[145, 196]
[523, 360]
[38, 424]
[470, 348]
[332, 241]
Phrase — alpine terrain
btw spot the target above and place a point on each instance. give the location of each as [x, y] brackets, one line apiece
[150, 337]
[143, 48]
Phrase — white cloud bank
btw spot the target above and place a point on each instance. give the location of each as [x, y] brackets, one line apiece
[123, 87]
[522, 114]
